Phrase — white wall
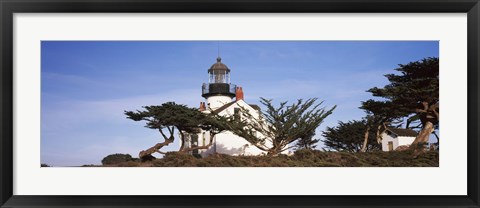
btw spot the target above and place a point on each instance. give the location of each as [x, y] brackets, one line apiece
[387, 138]
[229, 143]
[215, 102]
[397, 141]
[405, 140]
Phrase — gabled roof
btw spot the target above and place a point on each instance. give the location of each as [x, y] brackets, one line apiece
[402, 132]
[256, 107]
[218, 110]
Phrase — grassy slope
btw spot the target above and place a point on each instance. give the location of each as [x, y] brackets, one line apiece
[302, 158]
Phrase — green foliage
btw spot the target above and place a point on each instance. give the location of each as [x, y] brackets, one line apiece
[418, 82]
[307, 142]
[379, 112]
[277, 127]
[349, 137]
[413, 93]
[116, 159]
[170, 116]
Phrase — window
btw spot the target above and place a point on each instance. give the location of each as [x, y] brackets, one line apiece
[236, 113]
[203, 138]
[390, 146]
[194, 142]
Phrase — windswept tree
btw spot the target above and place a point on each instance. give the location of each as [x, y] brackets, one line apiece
[170, 116]
[276, 128]
[349, 137]
[415, 93]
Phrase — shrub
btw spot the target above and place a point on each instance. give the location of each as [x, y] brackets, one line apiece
[176, 159]
[130, 164]
[147, 158]
[116, 159]
[90, 165]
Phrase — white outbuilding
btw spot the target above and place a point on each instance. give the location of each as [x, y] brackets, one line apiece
[395, 137]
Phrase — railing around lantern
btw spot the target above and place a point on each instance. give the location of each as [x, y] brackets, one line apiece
[204, 89]
[218, 88]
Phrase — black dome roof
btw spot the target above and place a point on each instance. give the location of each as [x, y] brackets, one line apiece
[219, 67]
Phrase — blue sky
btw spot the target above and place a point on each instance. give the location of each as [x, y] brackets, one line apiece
[87, 85]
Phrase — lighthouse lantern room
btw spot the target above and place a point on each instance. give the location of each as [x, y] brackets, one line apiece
[218, 91]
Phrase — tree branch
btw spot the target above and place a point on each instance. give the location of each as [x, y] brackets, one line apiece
[155, 148]
[164, 136]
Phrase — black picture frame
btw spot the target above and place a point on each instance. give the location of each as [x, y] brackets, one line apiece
[9, 7]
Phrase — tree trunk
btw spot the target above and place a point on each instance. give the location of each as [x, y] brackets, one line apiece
[158, 146]
[378, 135]
[423, 135]
[365, 141]
[438, 139]
[155, 148]
[182, 139]
[274, 151]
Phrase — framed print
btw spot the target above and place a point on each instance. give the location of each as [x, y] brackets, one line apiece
[243, 104]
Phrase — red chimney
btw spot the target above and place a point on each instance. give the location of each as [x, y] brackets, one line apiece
[202, 106]
[239, 93]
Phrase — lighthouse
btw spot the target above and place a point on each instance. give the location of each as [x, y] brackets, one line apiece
[218, 91]
[219, 94]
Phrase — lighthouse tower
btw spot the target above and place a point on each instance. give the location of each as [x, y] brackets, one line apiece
[219, 94]
[218, 91]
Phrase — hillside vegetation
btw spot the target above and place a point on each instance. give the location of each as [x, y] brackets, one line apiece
[301, 158]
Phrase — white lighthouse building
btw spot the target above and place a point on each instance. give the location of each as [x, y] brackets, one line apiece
[224, 99]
